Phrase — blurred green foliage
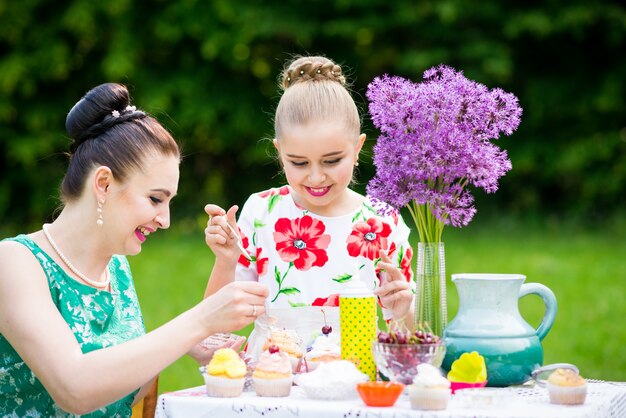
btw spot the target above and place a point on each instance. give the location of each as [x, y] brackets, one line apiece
[208, 71]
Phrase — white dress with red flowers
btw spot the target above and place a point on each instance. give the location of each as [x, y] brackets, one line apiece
[306, 259]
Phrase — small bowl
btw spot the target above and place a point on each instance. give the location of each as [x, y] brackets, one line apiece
[464, 385]
[398, 362]
[379, 393]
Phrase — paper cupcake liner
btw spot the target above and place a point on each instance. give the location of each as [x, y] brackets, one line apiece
[429, 399]
[273, 387]
[223, 387]
[567, 395]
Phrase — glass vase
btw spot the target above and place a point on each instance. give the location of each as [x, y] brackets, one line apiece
[431, 302]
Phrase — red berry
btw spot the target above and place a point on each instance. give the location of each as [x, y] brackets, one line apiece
[327, 329]
[273, 349]
[384, 337]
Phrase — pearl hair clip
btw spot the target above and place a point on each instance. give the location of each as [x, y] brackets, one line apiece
[116, 113]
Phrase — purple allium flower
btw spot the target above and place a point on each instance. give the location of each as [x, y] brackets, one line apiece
[435, 141]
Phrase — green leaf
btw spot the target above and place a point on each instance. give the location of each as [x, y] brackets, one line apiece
[342, 278]
[289, 291]
[296, 304]
[358, 215]
[277, 276]
[272, 202]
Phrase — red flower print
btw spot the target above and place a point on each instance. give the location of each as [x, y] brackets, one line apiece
[368, 238]
[244, 241]
[392, 249]
[331, 300]
[302, 241]
[261, 262]
[405, 264]
[272, 192]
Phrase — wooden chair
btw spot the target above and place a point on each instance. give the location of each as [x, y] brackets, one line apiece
[147, 406]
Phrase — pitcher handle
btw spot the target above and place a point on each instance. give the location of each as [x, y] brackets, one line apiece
[548, 299]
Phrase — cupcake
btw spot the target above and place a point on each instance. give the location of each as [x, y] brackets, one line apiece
[430, 391]
[567, 387]
[273, 373]
[225, 374]
[288, 342]
[325, 348]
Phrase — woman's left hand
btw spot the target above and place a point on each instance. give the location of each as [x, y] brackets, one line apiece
[204, 350]
[395, 291]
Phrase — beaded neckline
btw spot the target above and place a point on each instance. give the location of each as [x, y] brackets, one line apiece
[94, 283]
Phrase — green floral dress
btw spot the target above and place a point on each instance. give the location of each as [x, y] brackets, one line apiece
[97, 318]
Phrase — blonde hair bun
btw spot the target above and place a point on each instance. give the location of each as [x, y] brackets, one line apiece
[311, 68]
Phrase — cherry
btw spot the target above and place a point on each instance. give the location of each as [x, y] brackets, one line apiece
[273, 349]
[326, 329]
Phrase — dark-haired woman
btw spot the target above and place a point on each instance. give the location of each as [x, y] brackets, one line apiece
[72, 339]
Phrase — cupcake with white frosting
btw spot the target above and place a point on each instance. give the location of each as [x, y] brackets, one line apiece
[325, 349]
[430, 390]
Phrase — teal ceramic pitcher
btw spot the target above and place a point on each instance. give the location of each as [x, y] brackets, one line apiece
[489, 322]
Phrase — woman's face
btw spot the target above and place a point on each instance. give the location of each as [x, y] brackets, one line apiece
[141, 205]
[318, 159]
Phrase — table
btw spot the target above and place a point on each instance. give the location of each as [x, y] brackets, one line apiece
[604, 400]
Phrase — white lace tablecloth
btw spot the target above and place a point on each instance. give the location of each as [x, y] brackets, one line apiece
[604, 399]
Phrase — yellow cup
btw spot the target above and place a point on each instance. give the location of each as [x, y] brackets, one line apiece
[357, 321]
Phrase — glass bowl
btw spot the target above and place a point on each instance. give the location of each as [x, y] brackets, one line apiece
[379, 393]
[398, 362]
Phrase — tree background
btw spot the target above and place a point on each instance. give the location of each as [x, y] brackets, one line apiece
[208, 70]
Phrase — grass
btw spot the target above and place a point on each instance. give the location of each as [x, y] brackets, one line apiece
[584, 268]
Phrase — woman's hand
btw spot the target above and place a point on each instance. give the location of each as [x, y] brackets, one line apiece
[204, 350]
[394, 292]
[219, 236]
[234, 306]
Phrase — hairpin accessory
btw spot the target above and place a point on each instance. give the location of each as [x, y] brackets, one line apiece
[100, 221]
[129, 108]
[319, 71]
[301, 72]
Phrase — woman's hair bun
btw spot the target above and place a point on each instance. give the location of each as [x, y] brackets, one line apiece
[90, 114]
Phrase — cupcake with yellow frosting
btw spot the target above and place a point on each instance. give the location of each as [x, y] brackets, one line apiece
[567, 387]
[225, 374]
[273, 375]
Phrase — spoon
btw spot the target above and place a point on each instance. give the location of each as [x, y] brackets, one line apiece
[239, 243]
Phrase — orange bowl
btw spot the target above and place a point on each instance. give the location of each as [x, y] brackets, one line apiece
[379, 393]
[463, 385]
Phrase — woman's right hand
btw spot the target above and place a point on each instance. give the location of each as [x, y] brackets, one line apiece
[219, 236]
[234, 306]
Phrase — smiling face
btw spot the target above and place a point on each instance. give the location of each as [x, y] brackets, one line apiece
[318, 160]
[140, 205]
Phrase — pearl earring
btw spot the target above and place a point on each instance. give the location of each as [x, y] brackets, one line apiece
[356, 164]
[100, 221]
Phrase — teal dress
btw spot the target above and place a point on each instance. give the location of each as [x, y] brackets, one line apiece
[97, 318]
